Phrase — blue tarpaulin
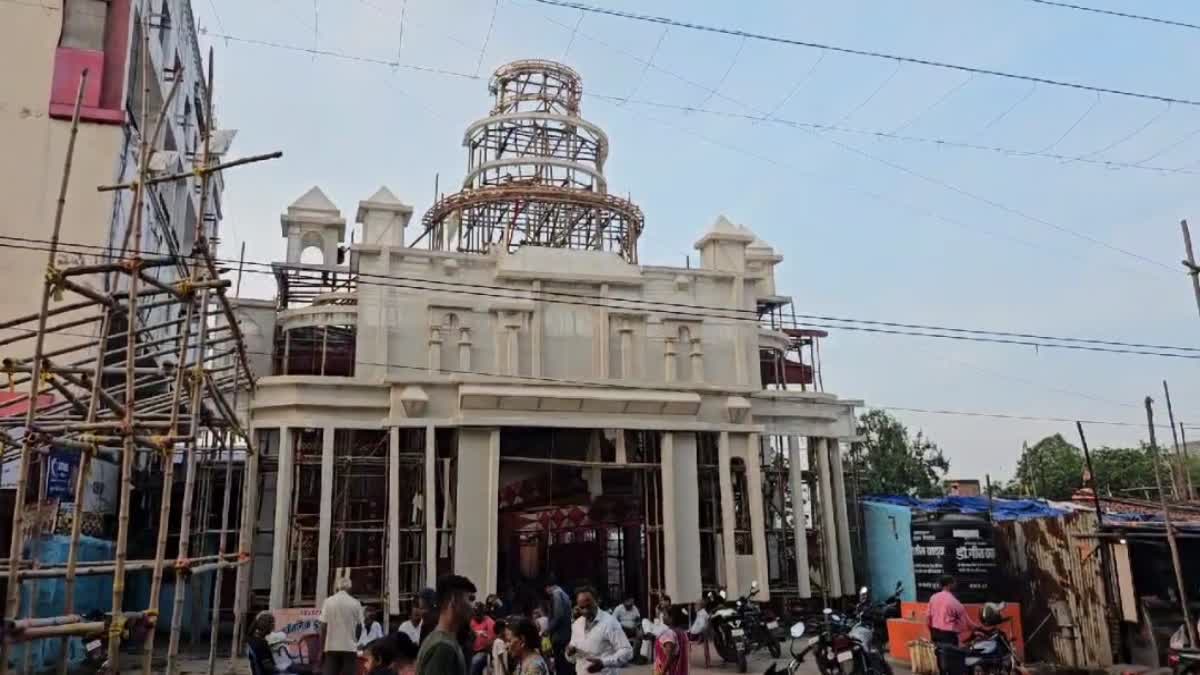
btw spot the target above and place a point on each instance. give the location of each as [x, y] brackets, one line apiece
[92, 593]
[1001, 509]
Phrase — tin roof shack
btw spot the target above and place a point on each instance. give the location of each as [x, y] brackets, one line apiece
[1146, 594]
[1054, 566]
[1045, 560]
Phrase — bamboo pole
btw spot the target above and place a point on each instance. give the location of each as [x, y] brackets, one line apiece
[1174, 546]
[164, 514]
[217, 583]
[1179, 477]
[85, 463]
[17, 543]
[198, 246]
[131, 319]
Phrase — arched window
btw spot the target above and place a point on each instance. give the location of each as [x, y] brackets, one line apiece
[450, 361]
[312, 249]
[683, 362]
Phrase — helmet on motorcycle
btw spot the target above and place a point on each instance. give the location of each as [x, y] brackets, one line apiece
[992, 613]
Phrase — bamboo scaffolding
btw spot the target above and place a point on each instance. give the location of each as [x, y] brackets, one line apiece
[160, 388]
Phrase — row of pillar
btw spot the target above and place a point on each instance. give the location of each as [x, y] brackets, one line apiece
[284, 487]
[680, 515]
[838, 573]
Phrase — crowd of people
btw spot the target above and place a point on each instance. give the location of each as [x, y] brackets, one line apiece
[449, 633]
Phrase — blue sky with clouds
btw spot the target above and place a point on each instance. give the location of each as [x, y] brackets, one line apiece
[871, 228]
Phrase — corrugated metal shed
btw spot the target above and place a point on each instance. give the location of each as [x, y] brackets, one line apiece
[1058, 563]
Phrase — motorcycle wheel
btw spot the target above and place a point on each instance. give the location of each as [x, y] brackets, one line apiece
[741, 661]
[773, 647]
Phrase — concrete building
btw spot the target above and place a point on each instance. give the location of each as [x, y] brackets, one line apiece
[504, 392]
[54, 41]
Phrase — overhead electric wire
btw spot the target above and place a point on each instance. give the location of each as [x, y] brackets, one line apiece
[769, 117]
[601, 384]
[1111, 12]
[996, 204]
[1079, 120]
[942, 142]
[593, 300]
[734, 32]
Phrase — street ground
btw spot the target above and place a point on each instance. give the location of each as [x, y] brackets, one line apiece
[197, 662]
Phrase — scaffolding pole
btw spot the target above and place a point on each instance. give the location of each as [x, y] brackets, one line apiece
[122, 396]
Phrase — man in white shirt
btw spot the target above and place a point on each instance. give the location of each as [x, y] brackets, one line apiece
[422, 607]
[341, 616]
[630, 618]
[598, 644]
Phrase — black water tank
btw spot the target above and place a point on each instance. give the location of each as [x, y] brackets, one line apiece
[957, 544]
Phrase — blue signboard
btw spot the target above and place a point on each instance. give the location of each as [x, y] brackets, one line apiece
[58, 478]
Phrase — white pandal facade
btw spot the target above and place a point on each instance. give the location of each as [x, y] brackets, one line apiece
[520, 412]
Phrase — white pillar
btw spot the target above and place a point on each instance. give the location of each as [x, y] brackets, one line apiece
[758, 513]
[393, 538]
[728, 522]
[431, 521]
[841, 517]
[325, 534]
[799, 529]
[687, 520]
[832, 576]
[669, 531]
[477, 510]
[283, 519]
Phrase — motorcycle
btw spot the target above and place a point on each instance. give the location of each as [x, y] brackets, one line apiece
[797, 633]
[989, 650]
[739, 628]
[1182, 659]
[853, 645]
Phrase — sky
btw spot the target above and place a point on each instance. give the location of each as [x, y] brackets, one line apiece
[872, 228]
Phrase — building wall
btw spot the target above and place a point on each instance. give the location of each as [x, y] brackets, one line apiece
[35, 147]
[540, 337]
[35, 110]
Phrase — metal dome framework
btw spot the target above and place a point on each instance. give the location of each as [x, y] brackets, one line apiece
[535, 173]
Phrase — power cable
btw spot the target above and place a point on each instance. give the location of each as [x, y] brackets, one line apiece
[896, 166]
[725, 76]
[592, 300]
[891, 164]
[941, 142]
[875, 92]
[645, 68]
[734, 32]
[1079, 120]
[998, 118]
[1123, 15]
[941, 99]
[600, 384]
[488, 37]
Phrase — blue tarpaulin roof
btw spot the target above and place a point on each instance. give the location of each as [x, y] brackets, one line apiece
[1002, 509]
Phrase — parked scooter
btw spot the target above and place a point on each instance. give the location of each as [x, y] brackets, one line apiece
[849, 645]
[739, 628]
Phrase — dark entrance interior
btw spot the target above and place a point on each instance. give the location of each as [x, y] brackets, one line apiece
[570, 511]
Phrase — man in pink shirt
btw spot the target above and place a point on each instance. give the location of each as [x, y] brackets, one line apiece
[948, 620]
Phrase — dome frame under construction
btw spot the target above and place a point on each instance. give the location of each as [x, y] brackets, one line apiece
[535, 174]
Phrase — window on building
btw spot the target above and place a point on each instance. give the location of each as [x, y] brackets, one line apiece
[83, 24]
[742, 539]
[683, 355]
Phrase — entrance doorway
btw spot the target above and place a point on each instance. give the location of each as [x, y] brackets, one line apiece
[569, 511]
